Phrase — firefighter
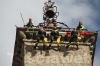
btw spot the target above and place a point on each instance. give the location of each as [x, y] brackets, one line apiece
[29, 23]
[74, 37]
[54, 36]
[80, 26]
[41, 36]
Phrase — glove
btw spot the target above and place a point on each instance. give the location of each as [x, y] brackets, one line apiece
[52, 37]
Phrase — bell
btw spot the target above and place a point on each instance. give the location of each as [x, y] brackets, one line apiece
[50, 13]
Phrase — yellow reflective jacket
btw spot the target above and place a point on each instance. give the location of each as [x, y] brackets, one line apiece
[80, 27]
[29, 24]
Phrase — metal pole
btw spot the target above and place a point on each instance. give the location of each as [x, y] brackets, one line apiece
[22, 18]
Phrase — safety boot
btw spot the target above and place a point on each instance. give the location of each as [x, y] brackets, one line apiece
[77, 47]
[49, 46]
[59, 47]
[44, 47]
[35, 46]
[67, 46]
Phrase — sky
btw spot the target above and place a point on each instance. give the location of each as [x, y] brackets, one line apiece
[71, 11]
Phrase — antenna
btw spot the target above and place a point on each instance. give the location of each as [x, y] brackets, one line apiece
[22, 18]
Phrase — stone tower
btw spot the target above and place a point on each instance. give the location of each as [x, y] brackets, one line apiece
[25, 55]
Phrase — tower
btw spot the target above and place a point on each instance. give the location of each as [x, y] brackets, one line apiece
[25, 55]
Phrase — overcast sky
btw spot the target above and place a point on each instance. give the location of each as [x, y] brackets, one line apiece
[71, 11]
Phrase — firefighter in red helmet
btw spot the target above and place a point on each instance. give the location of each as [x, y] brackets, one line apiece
[29, 23]
[80, 26]
[54, 36]
[41, 36]
[74, 37]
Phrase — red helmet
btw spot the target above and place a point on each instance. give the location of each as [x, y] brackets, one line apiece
[30, 18]
[74, 28]
[54, 27]
[80, 22]
[55, 22]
